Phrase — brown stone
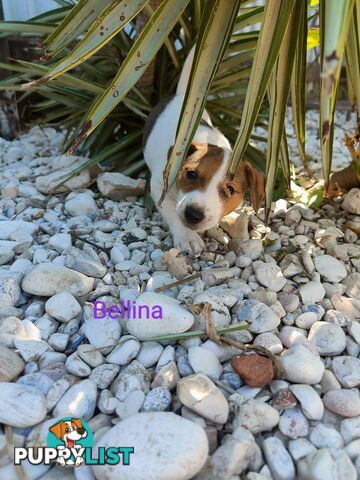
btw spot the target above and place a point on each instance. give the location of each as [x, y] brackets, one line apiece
[284, 399]
[255, 370]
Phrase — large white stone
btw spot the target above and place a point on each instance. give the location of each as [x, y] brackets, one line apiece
[302, 366]
[278, 459]
[47, 279]
[201, 395]
[204, 361]
[330, 268]
[63, 306]
[310, 401]
[351, 201]
[116, 186]
[21, 405]
[270, 276]
[175, 318]
[347, 370]
[166, 447]
[79, 401]
[327, 338]
[11, 227]
[81, 204]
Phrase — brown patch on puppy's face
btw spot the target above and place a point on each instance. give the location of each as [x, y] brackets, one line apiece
[202, 163]
[247, 178]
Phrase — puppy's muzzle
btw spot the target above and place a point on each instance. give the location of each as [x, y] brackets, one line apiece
[194, 215]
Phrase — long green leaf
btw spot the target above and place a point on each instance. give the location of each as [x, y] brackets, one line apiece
[298, 84]
[142, 52]
[213, 37]
[352, 54]
[273, 28]
[77, 21]
[26, 27]
[279, 93]
[335, 20]
[249, 16]
[110, 22]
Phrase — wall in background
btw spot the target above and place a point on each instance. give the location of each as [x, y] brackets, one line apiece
[24, 9]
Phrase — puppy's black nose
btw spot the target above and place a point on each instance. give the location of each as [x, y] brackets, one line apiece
[193, 214]
[81, 431]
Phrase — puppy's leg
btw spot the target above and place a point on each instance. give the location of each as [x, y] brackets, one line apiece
[185, 239]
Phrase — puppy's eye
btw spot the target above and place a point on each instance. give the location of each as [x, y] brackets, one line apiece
[230, 189]
[191, 175]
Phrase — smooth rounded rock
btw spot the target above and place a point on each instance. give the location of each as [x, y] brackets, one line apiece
[351, 201]
[47, 279]
[204, 361]
[310, 401]
[21, 405]
[270, 341]
[270, 275]
[324, 436]
[260, 317]
[125, 351]
[302, 366]
[174, 317]
[278, 459]
[169, 448]
[201, 395]
[219, 312]
[330, 268]
[11, 365]
[157, 400]
[293, 423]
[347, 370]
[345, 403]
[63, 306]
[79, 401]
[102, 332]
[327, 338]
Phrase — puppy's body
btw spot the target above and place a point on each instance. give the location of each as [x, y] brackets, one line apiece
[202, 195]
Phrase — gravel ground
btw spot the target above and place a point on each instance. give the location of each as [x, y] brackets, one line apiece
[191, 408]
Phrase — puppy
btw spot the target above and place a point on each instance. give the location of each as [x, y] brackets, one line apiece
[69, 432]
[202, 194]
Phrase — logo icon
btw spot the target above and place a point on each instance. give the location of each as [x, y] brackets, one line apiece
[72, 434]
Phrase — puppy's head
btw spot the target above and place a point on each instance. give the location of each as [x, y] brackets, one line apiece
[71, 429]
[205, 195]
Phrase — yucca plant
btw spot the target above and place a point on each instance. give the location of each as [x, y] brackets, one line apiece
[235, 73]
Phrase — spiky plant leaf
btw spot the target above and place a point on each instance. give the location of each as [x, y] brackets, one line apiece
[77, 21]
[335, 20]
[142, 52]
[109, 23]
[214, 32]
[298, 84]
[273, 28]
[352, 54]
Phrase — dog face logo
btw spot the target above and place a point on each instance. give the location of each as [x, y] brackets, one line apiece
[69, 431]
[70, 435]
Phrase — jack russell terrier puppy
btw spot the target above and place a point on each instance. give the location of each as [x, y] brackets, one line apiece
[202, 194]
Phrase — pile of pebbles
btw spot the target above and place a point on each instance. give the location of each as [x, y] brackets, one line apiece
[182, 403]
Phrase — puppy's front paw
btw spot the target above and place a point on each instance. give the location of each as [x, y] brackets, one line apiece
[189, 242]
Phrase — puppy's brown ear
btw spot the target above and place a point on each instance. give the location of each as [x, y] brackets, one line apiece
[57, 430]
[255, 184]
[77, 422]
